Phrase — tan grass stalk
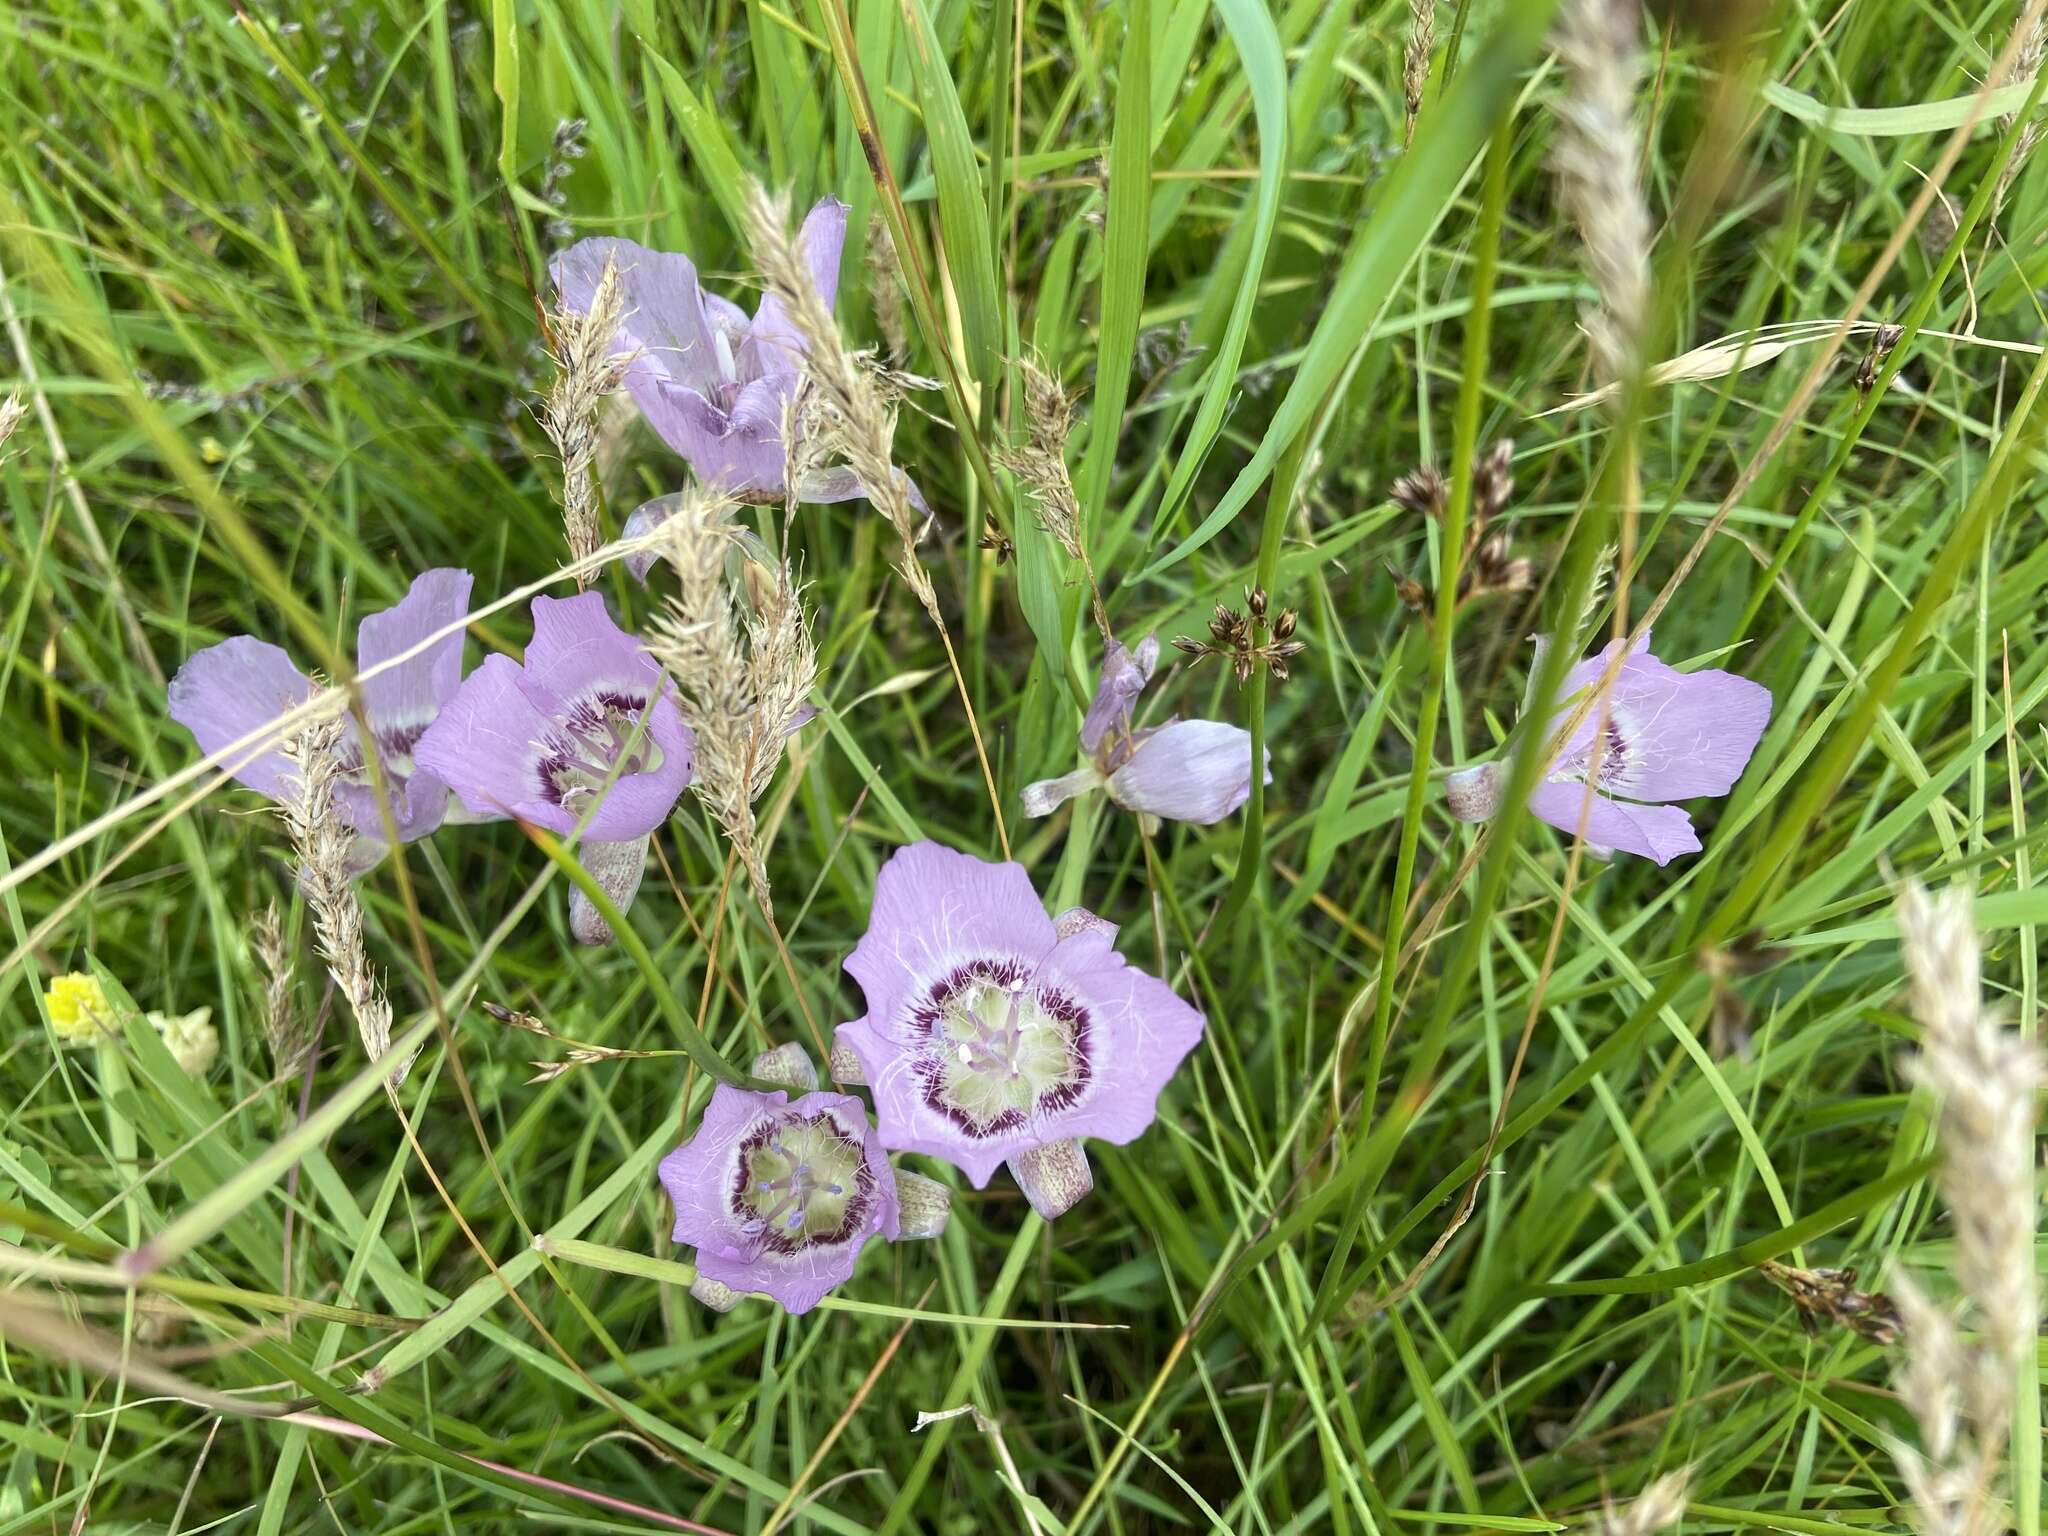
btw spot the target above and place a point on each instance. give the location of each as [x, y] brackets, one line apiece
[1599, 173]
[585, 372]
[1984, 1079]
[1750, 349]
[323, 843]
[1041, 468]
[846, 414]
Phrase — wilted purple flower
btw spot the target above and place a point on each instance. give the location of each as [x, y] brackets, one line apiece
[779, 1196]
[585, 726]
[1184, 770]
[226, 691]
[710, 381]
[995, 1034]
[1670, 736]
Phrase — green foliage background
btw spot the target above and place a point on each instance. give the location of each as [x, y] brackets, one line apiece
[270, 291]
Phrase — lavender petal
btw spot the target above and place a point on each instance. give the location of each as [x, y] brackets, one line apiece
[981, 1041]
[705, 1178]
[663, 314]
[404, 700]
[742, 462]
[1196, 771]
[486, 747]
[226, 691]
[1657, 832]
[774, 344]
[934, 907]
[579, 652]
[1124, 676]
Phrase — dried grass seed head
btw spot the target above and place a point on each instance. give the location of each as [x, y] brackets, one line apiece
[324, 844]
[1599, 43]
[738, 646]
[286, 1031]
[847, 410]
[1658, 1507]
[586, 371]
[1986, 1079]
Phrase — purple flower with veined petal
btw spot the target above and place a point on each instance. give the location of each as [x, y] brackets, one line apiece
[711, 382]
[995, 1034]
[226, 691]
[584, 731]
[1185, 770]
[1671, 735]
[780, 1196]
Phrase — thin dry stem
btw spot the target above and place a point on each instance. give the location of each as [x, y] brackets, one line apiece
[586, 370]
[323, 843]
[1600, 176]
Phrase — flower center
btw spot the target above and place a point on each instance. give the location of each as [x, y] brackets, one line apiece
[394, 750]
[998, 1050]
[802, 1181]
[598, 734]
[1615, 761]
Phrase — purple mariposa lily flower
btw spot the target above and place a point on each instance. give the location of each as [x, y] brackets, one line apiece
[1185, 770]
[710, 381]
[779, 1196]
[1671, 735]
[995, 1034]
[226, 691]
[584, 731]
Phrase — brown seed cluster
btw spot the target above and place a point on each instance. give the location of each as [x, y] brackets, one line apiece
[1830, 1295]
[1485, 565]
[1249, 639]
[1882, 341]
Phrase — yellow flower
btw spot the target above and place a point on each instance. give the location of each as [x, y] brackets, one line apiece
[80, 1011]
[191, 1038]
